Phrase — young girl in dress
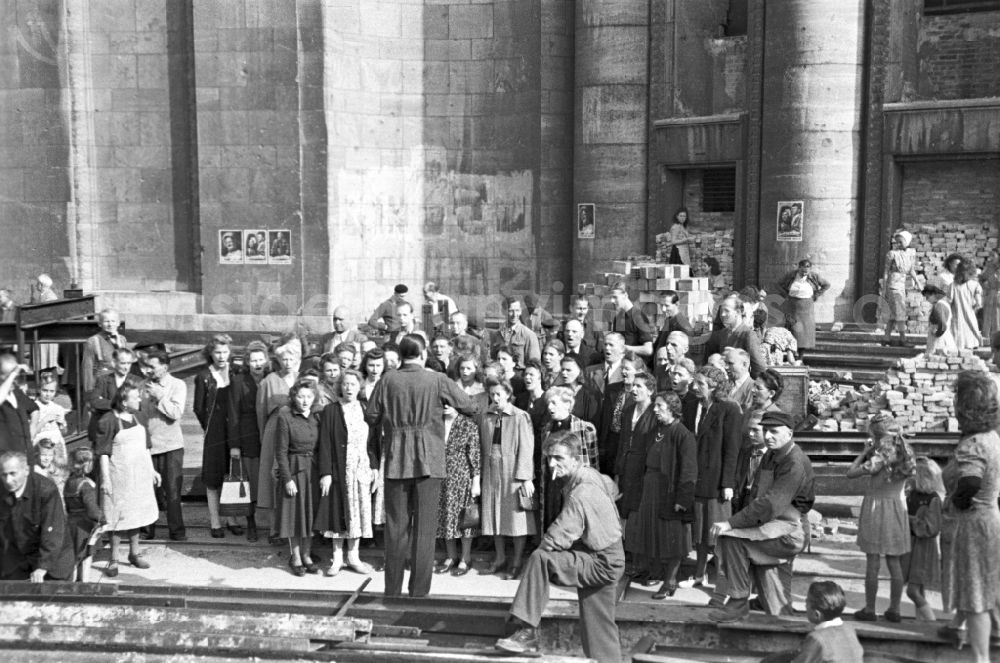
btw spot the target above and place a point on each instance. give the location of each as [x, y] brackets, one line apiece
[884, 527]
[923, 564]
[83, 513]
[49, 420]
[45, 453]
[939, 337]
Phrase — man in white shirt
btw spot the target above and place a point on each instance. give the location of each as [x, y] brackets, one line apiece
[343, 332]
[407, 323]
[602, 376]
[98, 351]
[163, 406]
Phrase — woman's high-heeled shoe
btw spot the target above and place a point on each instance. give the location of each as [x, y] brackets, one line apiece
[311, 567]
[297, 569]
[495, 568]
[665, 590]
[460, 570]
[515, 572]
[445, 566]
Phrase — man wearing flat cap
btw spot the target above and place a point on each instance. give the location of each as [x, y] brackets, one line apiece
[384, 317]
[767, 532]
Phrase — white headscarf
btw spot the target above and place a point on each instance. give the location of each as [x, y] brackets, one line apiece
[904, 235]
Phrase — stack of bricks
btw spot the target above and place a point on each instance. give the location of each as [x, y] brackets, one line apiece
[933, 243]
[645, 278]
[919, 391]
[718, 244]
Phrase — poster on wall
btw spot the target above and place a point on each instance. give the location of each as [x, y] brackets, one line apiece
[790, 217]
[279, 247]
[586, 218]
[255, 250]
[230, 247]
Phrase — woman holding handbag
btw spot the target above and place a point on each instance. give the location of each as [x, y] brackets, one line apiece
[507, 444]
[211, 406]
[459, 491]
[348, 463]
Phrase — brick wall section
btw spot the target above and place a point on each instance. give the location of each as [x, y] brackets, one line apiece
[34, 148]
[959, 56]
[950, 207]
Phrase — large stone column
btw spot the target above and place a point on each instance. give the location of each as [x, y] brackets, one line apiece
[811, 119]
[609, 165]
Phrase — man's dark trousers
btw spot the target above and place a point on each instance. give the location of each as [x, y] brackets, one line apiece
[170, 465]
[410, 501]
[595, 576]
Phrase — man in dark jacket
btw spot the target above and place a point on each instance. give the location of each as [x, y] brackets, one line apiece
[582, 549]
[408, 405]
[34, 542]
[735, 333]
[768, 530]
[15, 407]
[106, 386]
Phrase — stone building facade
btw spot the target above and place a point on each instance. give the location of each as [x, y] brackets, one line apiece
[451, 140]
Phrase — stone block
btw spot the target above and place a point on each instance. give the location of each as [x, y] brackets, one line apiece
[470, 21]
[435, 22]
[151, 42]
[614, 114]
[220, 14]
[381, 19]
[112, 15]
[155, 185]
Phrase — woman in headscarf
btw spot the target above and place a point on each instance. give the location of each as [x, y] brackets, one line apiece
[899, 266]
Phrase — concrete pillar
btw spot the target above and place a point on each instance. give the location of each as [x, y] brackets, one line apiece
[811, 118]
[609, 165]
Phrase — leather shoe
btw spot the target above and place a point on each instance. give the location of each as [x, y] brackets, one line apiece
[252, 533]
[178, 537]
[444, 567]
[865, 615]
[235, 530]
[460, 570]
[111, 570]
[736, 610]
[892, 616]
[297, 569]
[311, 567]
[138, 562]
[665, 590]
[523, 641]
[515, 572]
[217, 532]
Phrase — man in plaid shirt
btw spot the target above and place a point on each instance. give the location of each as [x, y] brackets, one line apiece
[560, 400]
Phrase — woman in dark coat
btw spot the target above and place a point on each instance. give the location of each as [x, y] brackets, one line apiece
[211, 406]
[244, 435]
[666, 508]
[638, 427]
[296, 439]
[718, 430]
[347, 464]
[587, 400]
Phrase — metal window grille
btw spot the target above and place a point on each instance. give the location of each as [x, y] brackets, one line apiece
[718, 190]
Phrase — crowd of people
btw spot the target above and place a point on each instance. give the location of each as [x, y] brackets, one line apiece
[578, 456]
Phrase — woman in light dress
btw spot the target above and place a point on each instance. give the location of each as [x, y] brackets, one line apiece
[939, 338]
[348, 466]
[966, 300]
[899, 270]
[678, 239]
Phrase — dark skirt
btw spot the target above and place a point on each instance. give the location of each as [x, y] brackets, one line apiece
[651, 536]
[296, 514]
[800, 319]
[80, 528]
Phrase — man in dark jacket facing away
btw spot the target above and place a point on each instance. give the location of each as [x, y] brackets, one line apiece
[408, 405]
[34, 543]
[582, 549]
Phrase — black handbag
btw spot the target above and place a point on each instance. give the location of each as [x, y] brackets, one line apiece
[471, 518]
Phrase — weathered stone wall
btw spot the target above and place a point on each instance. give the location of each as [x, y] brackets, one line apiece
[34, 147]
[959, 56]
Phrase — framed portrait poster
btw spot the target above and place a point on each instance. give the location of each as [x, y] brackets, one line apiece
[789, 219]
[255, 246]
[586, 219]
[279, 247]
[230, 247]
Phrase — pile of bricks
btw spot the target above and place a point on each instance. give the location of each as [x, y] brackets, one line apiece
[842, 407]
[718, 244]
[645, 278]
[932, 244]
[919, 391]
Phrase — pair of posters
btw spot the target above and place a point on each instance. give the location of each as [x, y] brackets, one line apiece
[255, 247]
[788, 219]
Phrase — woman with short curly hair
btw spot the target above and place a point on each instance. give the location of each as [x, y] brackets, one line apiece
[972, 480]
[718, 426]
